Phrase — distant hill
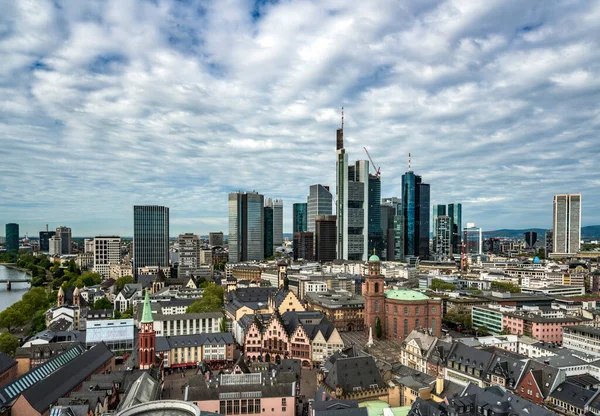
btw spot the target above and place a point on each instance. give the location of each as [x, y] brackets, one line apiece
[591, 231]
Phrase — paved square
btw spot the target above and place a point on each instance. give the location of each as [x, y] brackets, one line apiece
[386, 350]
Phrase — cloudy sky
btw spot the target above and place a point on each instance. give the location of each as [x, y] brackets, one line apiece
[104, 105]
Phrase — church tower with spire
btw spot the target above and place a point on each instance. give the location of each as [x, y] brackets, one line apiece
[373, 292]
[147, 337]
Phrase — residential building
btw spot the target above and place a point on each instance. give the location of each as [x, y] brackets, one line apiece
[343, 309]
[88, 245]
[246, 227]
[320, 202]
[150, 237]
[538, 327]
[215, 239]
[300, 217]
[8, 369]
[45, 240]
[55, 246]
[36, 355]
[582, 338]
[303, 246]
[325, 238]
[181, 324]
[189, 254]
[12, 237]
[120, 270]
[557, 291]
[488, 317]
[65, 236]
[398, 311]
[107, 251]
[415, 210]
[277, 224]
[566, 226]
[206, 257]
[188, 350]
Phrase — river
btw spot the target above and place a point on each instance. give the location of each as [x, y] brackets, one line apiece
[7, 297]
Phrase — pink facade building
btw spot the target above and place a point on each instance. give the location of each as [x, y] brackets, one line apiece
[246, 394]
[540, 328]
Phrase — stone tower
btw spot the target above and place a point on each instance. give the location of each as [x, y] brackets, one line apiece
[374, 297]
[147, 337]
[60, 299]
[282, 281]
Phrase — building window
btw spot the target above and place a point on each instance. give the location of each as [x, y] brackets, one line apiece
[417, 324]
[405, 310]
[417, 310]
[376, 306]
[405, 327]
[433, 309]
[376, 287]
[433, 323]
[395, 326]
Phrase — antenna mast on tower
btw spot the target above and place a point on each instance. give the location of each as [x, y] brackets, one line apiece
[409, 162]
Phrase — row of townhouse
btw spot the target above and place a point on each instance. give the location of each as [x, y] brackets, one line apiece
[307, 336]
[565, 380]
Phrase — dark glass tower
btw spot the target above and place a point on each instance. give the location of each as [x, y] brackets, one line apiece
[455, 212]
[12, 237]
[268, 231]
[415, 210]
[45, 239]
[300, 212]
[375, 232]
[150, 236]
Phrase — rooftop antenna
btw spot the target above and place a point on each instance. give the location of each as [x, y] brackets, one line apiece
[409, 162]
[342, 118]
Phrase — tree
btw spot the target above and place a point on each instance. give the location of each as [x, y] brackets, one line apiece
[378, 329]
[11, 318]
[483, 331]
[117, 314]
[223, 325]
[122, 281]
[439, 284]
[38, 322]
[459, 316]
[128, 314]
[36, 297]
[206, 304]
[505, 331]
[90, 279]
[506, 286]
[103, 303]
[8, 343]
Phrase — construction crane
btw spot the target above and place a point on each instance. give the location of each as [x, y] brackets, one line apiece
[377, 168]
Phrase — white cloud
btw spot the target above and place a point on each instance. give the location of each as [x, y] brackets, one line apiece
[108, 104]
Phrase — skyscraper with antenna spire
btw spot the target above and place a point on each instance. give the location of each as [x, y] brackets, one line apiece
[352, 203]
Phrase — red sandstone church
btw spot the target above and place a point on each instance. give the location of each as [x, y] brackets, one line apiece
[399, 311]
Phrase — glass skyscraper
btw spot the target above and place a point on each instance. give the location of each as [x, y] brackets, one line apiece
[320, 202]
[12, 237]
[150, 236]
[299, 221]
[415, 210]
[268, 231]
[246, 226]
[376, 240]
[455, 212]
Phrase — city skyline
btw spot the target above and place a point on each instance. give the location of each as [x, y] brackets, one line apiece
[151, 106]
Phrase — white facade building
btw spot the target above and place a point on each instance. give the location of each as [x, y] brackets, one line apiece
[107, 251]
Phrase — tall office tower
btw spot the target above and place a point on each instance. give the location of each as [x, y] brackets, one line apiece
[246, 226]
[189, 254]
[357, 231]
[443, 240]
[303, 246]
[12, 237]
[387, 226]
[150, 236]
[325, 238]
[438, 210]
[107, 251]
[320, 202]
[566, 226]
[277, 224]
[375, 231]
[455, 212]
[55, 246]
[300, 217]
[341, 194]
[415, 209]
[45, 240]
[65, 235]
[549, 240]
[399, 237]
[530, 238]
[473, 239]
[268, 231]
[215, 239]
